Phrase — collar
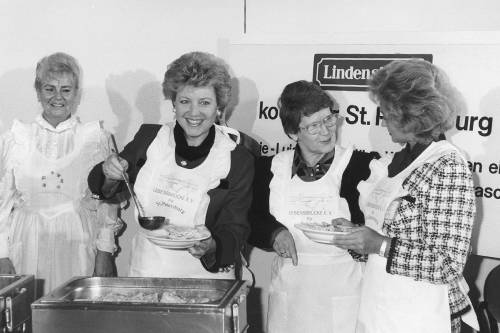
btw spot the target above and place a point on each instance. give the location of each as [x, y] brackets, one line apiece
[301, 169]
[69, 123]
[417, 149]
[192, 153]
[404, 157]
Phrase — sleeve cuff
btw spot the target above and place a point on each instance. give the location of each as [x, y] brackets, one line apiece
[4, 245]
[209, 262]
[392, 249]
[224, 253]
[109, 188]
[106, 240]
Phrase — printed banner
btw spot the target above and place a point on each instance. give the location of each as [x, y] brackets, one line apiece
[263, 70]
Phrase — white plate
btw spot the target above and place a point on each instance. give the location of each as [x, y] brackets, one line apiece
[318, 235]
[165, 242]
[174, 244]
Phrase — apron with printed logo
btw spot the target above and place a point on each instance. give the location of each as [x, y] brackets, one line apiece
[321, 294]
[179, 194]
[390, 302]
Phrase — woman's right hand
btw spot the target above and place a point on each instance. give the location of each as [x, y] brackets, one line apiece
[6, 266]
[114, 166]
[284, 245]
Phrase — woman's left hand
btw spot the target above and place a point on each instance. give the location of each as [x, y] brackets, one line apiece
[363, 240]
[103, 264]
[200, 248]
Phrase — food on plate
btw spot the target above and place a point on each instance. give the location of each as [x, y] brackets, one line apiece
[176, 232]
[325, 226]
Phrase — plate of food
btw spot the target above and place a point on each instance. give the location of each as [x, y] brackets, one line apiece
[323, 232]
[173, 236]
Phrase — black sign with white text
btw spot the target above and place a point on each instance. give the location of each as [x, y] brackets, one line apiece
[350, 71]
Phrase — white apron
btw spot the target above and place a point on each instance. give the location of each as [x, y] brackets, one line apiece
[179, 194]
[321, 294]
[53, 227]
[390, 302]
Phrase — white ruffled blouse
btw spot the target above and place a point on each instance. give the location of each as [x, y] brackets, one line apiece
[53, 144]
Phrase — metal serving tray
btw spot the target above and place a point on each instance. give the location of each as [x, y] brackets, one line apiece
[76, 306]
[17, 292]
[92, 290]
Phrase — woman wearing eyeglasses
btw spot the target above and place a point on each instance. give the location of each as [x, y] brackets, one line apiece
[314, 287]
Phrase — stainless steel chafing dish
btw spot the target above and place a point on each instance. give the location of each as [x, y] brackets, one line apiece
[17, 292]
[78, 307]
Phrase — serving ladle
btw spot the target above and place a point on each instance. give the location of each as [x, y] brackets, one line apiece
[147, 222]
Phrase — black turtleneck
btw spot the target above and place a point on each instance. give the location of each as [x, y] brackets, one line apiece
[190, 157]
[403, 158]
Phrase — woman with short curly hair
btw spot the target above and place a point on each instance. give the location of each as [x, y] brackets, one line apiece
[419, 208]
[191, 171]
[198, 69]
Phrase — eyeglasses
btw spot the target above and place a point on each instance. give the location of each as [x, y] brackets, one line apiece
[314, 128]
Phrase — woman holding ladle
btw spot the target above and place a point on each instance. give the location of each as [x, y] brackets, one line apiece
[192, 172]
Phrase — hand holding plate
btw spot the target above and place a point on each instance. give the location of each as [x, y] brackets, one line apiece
[363, 240]
[200, 248]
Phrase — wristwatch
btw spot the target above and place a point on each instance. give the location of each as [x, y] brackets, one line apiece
[383, 247]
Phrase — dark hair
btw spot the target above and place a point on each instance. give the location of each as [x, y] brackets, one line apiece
[417, 95]
[298, 99]
[198, 69]
[57, 63]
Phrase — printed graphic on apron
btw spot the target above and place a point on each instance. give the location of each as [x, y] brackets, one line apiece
[307, 297]
[179, 194]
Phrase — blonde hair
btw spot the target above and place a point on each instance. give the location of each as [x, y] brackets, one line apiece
[57, 63]
[418, 95]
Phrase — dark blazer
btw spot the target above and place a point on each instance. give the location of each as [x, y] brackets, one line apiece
[265, 226]
[229, 202]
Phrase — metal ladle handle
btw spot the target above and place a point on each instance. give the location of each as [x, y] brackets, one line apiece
[140, 209]
[137, 203]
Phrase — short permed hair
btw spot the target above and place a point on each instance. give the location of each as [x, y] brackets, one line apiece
[298, 99]
[57, 63]
[198, 69]
[418, 96]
